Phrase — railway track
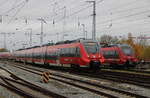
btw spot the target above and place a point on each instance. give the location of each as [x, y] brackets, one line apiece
[138, 71]
[135, 79]
[90, 85]
[138, 79]
[14, 89]
[128, 77]
[142, 81]
[25, 88]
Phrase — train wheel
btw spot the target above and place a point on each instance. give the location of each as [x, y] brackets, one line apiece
[114, 66]
[94, 66]
[46, 64]
[127, 65]
[75, 67]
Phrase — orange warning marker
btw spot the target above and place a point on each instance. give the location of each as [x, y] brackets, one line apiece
[45, 77]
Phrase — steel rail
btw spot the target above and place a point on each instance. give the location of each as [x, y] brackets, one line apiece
[97, 85]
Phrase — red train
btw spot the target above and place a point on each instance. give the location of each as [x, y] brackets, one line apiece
[77, 53]
[119, 55]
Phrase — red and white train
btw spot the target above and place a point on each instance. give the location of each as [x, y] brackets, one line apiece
[119, 55]
[5, 55]
[77, 53]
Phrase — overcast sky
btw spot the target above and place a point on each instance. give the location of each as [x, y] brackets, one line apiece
[114, 17]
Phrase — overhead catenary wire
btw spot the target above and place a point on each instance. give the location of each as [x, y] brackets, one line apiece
[18, 11]
[14, 7]
[75, 10]
[78, 11]
[126, 16]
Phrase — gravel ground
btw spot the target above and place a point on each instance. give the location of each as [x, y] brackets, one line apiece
[57, 87]
[122, 86]
[4, 93]
[128, 87]
[73, 92]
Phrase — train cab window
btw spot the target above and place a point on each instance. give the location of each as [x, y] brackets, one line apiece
[127, 50]
[91, 47]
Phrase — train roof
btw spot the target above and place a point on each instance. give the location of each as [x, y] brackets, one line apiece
[73, 41]
[114, 45]
[62, 42]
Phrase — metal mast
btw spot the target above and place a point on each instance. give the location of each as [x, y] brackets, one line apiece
[30, 33]
[64, 23]
[41, 32]
[42, 21]
[3, 33]
[84, 35]
[94, 20]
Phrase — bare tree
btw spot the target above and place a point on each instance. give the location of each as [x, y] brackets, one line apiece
[107, 39]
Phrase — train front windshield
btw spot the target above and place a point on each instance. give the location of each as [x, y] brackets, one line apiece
[127, 50]
[91, 47]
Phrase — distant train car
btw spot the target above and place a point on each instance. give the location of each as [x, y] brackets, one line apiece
[120, 55]
[78, 53]
[5, 55]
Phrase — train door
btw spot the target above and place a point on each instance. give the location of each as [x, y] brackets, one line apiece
[42, 53]
[45, 55]
[58, 57]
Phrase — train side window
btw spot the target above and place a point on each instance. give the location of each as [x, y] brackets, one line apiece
[73, 52]
[67, 52]
[34, 54]
[103, 52]
[106, 53]
[62, 52]
[70, 52]
[27, 55]
[77, 52]
[38, 55]
[30, 55]
[116, 54]
[109, 52]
